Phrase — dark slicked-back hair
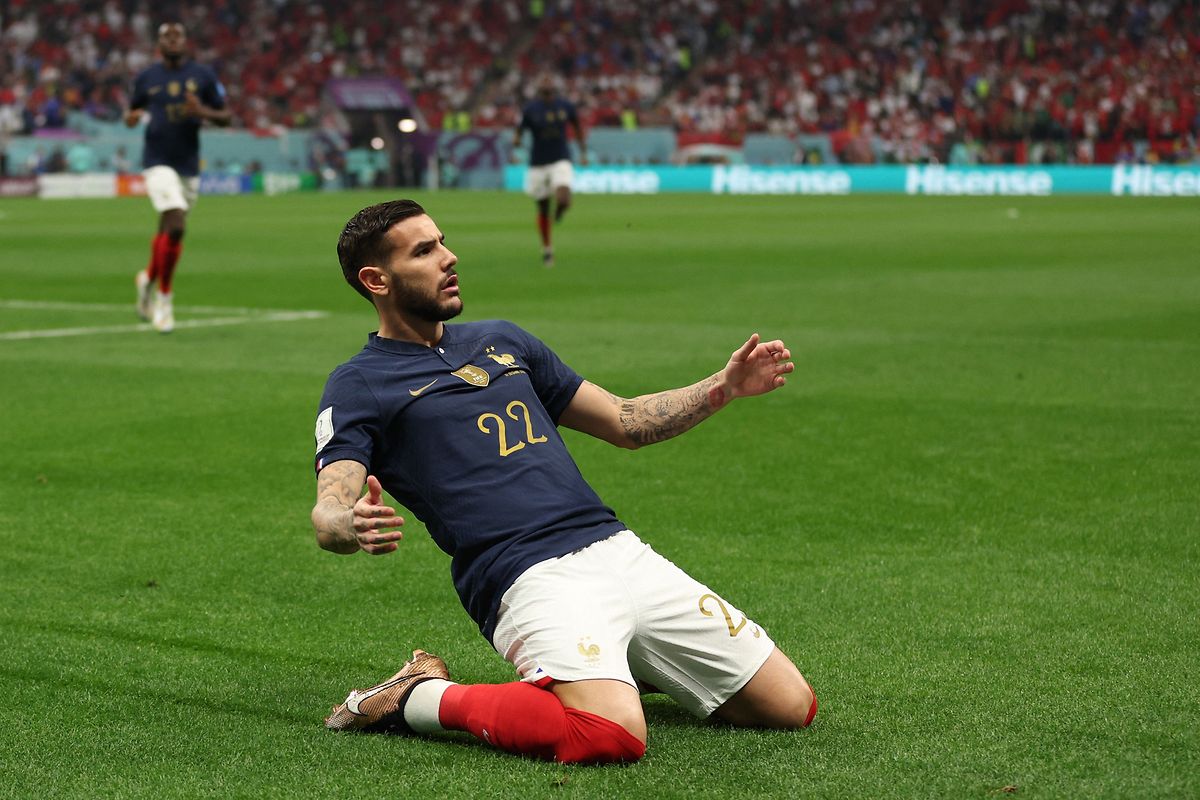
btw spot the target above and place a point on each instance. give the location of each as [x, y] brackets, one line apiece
[362, 241]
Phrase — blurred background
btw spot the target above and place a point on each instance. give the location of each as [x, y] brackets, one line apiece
[357, 93]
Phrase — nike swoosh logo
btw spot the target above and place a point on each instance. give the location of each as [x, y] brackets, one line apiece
[415, 392]
[357, 698]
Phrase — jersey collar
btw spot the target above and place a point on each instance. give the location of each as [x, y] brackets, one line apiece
[400, 347]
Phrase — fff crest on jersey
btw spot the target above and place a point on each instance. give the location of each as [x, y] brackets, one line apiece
[173, 88]
[191, 85]
[472, 375]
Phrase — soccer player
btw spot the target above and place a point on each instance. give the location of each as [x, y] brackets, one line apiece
[459, 423]
[550, 171]
[179, 95]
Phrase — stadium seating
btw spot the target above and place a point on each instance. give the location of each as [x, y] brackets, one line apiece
[1002, 81]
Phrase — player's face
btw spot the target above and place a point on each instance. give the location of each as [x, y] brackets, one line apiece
[422, 272]
[172, 40]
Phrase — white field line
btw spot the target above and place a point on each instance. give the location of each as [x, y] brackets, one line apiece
[55, 305]
[243, 316]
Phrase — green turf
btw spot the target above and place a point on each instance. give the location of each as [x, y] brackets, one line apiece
[972, 517]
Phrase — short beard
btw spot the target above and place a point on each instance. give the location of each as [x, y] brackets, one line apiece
[411, 302]
[431, 310]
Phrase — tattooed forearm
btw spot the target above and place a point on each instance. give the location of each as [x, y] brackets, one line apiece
[338, 488]
[657, 417]
[341, 482]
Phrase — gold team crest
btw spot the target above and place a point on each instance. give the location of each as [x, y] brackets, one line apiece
[472, 375]
[191, 85]
[173, 88]
[589, 650]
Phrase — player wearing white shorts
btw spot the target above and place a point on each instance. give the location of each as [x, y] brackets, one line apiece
[168, 191]
[617, 610]
[178, 95]
[547, 119]
[459, 422]
[547, 180]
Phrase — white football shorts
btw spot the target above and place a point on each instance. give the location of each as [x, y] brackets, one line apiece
[541, 181]
[618, 610]
[168, 191]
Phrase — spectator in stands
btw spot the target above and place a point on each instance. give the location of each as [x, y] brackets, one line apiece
[912, 79]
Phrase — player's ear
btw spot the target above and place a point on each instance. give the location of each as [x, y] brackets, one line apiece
[376, 280]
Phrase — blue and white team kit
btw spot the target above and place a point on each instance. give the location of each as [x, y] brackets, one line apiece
[549, 156]
[171, 151]
[464, 434]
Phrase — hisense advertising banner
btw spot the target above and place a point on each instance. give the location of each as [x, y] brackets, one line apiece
[1131, 180]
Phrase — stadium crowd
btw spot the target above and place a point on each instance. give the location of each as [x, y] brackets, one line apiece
[1010, 80]
[1092, 75]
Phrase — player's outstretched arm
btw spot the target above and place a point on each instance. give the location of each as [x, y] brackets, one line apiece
[345, 522]
[581, 143]
[754, 368]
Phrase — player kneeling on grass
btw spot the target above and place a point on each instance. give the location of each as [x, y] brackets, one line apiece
[459, 423]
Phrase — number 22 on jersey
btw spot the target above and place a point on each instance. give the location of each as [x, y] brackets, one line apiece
[501, 430]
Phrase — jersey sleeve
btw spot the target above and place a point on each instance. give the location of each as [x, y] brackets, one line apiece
[555, 382]
[138, 97]
[347, 420]
[212, 91]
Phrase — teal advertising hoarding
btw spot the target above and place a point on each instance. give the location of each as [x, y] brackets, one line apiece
[1122, 179]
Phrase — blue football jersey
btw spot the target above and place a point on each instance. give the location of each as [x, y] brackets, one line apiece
[547, 122]
[173, 138]
[465, 436]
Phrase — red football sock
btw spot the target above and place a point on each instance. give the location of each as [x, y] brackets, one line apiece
[521, 718]
[170, 257]
[544, 228]
[154, 268]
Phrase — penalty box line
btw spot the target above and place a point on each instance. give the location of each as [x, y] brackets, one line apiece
[233, 316]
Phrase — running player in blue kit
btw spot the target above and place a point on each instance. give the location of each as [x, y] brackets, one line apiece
[459, 422]
[547, 118]
[179, 95]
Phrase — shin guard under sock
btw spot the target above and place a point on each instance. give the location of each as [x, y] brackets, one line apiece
[170, 257]
[521, 718]
[157, 246]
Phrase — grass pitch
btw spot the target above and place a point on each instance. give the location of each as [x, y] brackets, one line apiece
[971, 517]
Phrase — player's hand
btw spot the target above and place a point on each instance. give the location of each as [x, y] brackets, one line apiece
[191, 105]
[371, 517]
[133, 116]
[757, 367]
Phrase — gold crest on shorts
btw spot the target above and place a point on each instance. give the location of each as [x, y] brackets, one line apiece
[590, 652]
[472, 375]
